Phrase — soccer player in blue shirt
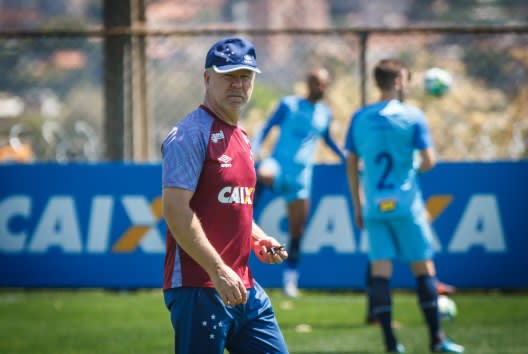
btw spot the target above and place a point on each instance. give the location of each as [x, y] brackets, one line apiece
[381, 144]
[302, 122]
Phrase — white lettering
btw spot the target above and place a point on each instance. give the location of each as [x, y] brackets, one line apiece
[58, 227]
[364, 242]
[238, 195]
[480, 225]
[271, 218]
[242, 195]
[437, 246]
[140, 213]
[9, 209]
[152, 241]
[235, 196]
[100, 221]
[330, 227]
[138, 209]
[223, 196]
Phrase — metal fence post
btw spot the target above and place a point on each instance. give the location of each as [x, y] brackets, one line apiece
[142, 149]
[117, 48]
[363, 38]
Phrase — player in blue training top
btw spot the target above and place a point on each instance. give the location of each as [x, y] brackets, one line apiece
[302, 122]
[381, 144]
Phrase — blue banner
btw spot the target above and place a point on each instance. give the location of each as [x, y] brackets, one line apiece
[477, 215]
[100, 225]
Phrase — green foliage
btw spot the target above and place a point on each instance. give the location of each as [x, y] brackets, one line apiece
[490, 66]
[264, 97]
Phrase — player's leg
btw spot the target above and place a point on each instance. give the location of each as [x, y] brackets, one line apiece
[266, 171]
[418, 252]
[369, 318]
[257, 330]
[428, 299]
[297, 215]
[427, 293]
[416, 236]
[381, 299]
[381, 252]
[444, 288]
[441, 287]
[200, 320]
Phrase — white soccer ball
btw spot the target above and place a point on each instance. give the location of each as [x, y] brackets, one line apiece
[437, 82]
[447, 308]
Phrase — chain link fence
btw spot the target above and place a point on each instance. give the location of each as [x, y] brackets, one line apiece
[52, 93]
[50, 99]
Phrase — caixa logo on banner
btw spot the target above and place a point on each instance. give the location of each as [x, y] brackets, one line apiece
[58, 226]
[479, 225]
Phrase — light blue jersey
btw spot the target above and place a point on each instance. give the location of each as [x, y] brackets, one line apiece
[302, 123]
[385, 136]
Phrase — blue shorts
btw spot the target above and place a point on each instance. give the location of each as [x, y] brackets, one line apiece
[204, 324]
[291, 182]
[408, 239]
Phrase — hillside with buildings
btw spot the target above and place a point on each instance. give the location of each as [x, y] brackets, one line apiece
[58, 81]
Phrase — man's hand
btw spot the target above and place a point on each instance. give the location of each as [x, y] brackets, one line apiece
[269, 250]
[229, 286]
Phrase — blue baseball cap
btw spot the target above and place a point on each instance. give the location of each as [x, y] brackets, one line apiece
[231, 54]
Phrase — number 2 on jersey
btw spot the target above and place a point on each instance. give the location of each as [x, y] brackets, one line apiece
[386, 159]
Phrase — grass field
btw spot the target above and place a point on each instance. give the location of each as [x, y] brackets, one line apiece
[94, 321]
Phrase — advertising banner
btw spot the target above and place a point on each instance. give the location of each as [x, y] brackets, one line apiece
[81, 226]
[100, 225]
[480, 231]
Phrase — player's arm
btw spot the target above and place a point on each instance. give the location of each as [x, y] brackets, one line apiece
[424, 143]
[182, 163]
[274, 120]
[266, 248]
[187, 230]
[428, 159]
[353, 170]
[352, 164]
[332, 145]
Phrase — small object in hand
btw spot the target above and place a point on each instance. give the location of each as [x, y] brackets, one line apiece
[273, 250]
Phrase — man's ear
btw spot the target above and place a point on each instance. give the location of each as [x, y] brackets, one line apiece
[398, 83]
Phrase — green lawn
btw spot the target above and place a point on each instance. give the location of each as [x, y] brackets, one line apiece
[67, 322]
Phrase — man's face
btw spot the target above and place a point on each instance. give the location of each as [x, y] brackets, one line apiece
[317, 84]
[232, 90]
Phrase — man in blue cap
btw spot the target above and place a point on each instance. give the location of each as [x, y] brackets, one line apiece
[208, 181]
